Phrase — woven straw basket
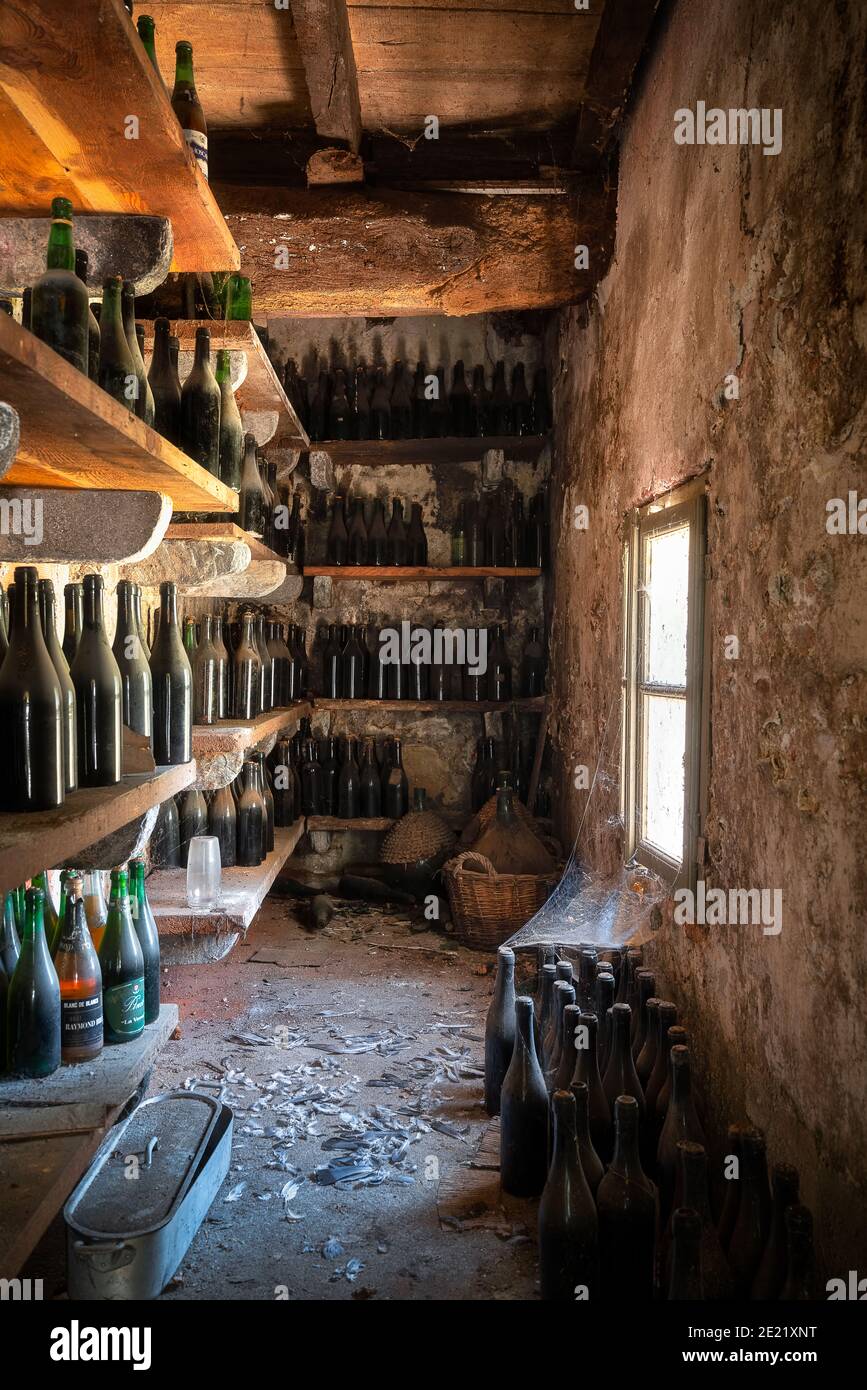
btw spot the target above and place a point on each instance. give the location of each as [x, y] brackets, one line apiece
[488, 907]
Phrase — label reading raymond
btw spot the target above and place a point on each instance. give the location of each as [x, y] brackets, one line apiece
[198, 143]
[80, 1021]
[124, 1010]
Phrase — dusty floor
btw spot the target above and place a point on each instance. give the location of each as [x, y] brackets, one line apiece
[418, 1003]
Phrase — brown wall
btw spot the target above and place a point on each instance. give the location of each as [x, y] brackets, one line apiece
[728, 260]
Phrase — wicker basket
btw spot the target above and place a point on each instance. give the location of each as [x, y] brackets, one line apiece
[488, 907]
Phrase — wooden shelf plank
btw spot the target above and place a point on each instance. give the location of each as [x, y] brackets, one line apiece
[235, 736]
[522, 706]
[243, 892]
[396, 574]
[264, 405]
[43, 839]
[370, 452]
[65, 118]
[375, 823]
[74, 435]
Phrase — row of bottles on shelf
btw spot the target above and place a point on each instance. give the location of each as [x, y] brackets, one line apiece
[366, 402]
[488, 531]
[242, 816]
[246, 667]
[75, 978]
[593, 1084]
[342, 776]
[350, 670]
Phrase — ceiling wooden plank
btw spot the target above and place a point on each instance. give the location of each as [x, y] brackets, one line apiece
[480, 41]
[622, 36]
[325, 42]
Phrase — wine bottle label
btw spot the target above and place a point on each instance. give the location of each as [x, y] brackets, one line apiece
[125, 1009]
[80, 1021]
[198, 143]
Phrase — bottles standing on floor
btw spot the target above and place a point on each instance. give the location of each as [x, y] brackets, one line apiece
[523, 1112]
[80, 980]
[500, 1029]
[568, 1223]
[122, 965]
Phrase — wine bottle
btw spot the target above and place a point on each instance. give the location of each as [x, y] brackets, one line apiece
[33, 1000]
[349, 783]
[223, 824]
[752, 1227]
[296, 390]
[417, 551]
[533, 666]
[143, 403]
[352, 667]
[460, 403]
[117, 371]
[626, 1201]
[247, 672]
[146, 32]
[266, 664]
[264, 785]
[500, 1029]
[501, 406]
[148, 938]
[31, 711]
[252, 819]
[337, 541]
[590, 1160]
[310, 776]
[200, 408]
[586, 1072]
[568, 1225]
[285, 784]
[74, 620]
[397, 547]
[80, 981]
[647, 1056]
[278, 653]
[122, 966]
[419, 402]
[165, 843]
[400, 404]
[771, 1273]
[499, 667]
[66, 878]
[252, 501]
[50, 919]
[188, 108]
[205, 665]
[800, 1285]
[379, 418]
[356, 535]
[395, 788]
[231, 426]
[564, 994]
[190, 637]
[620, 1077]
[567, 1044]
[605, 990]
[82, 261]
[164, 385]
[681, 1122]
[49, 632]
[172, 686]
[370, 792]
[340, 425]
[691, 1191]
[95, 908]
[224, 662]
[523, 1112]
[332, 666]
[10, 947]
[438, 417]
[59, 305]
[135, 672]
[686, 1274]
[541, 413]
[646, 982]
[192, 819]
[676, 1036]
[522, 414]
[666, 1016]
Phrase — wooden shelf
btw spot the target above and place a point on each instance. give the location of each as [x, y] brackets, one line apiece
[219, 748]
[370, 452]
[243, 892]
[397, 574]
[38, 840]
[264, 405]
[70, 75]
[375, 823]
[74, 435]
[522, 706]
[213, 559]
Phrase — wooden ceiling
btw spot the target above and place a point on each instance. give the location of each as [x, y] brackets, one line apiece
[472, 63]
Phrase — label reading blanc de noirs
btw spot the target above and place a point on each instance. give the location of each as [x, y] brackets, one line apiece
[80, 1021]
[125, 1008]
[198, 143]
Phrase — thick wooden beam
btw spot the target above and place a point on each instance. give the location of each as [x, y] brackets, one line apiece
[322, 30]
[620, 41]
[320, 254]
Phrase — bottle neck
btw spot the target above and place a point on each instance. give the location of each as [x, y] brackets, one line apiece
[203, 351]
[93, 605]
[184, 67]
[626, 1160]
[111, 315]
[60, 254]
[168, 606]
[34, 915]
[224, 368]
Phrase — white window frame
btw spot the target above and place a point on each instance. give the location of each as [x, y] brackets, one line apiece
[687, 503]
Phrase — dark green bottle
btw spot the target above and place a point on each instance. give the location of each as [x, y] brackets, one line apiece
[70, 735]
[74, 620]
[172, 686]
[223, 823]
[500, 1029]
[349, 783]
[165, 843]
[193, 817]
[627, 1206]
[122, 965]
[81, 264]
[191, 637]
[117, 372]
[59, 305]
[50, 919]
[98, 696]
[252, 819]
[247, 673]
[200, 408]
[33, 1001]
[31, 711]
[205, 663]
[253, 501]
[524, 1113]
[146, 30]
[135, 673]
[148, 938]
[188, 108]
[568, 1225]
[10, 946]
[231, 426]
[164, 385]
[239, 298]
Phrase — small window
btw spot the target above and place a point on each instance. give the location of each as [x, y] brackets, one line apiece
[663, 622]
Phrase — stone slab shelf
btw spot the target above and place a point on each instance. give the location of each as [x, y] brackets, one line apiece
[522, 706]
[74, 435]
[370, 452]
[213, 559]
[401, 574]
[65, 127]
[124, 529]
[43, 839]
[265, 408]
[219, 748]
[204, 935]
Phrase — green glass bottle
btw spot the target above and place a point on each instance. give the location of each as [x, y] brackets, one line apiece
[31, 711]
[144, 400]
[146, 30]
[231, 425]
[10, 946]
[164, 384]
[59, 305]
[50, 919]
[20, 901]
[67, 689]
[117, 374]
[148, 938]
[81, 264]
[188, 108]
[200, 408]
[122, 965]
[33, 1001]
[239, 298]
[98, 696]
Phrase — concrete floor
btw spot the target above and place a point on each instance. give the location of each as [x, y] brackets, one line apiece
[366, 974]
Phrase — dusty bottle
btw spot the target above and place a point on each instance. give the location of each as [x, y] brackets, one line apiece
[231, 426]
[172, 679]
[340, 423]
[398, 549]
[400, 404]
[95, 908]
[416, 539]
[135, 672]
[356, 534]
[166, 840]
[568, 1225]
[438, 414]
[264, 785]
[691, 1191]
[646, 981]
[370, 789]
[193, 820]
[379, 418]
[148, 938]
[361, 403]
[522, 414]
[349, 784]
[666, 1017]
[32, 715]
[252, 502]
[98, 696]
[620, 1077]
[122, 966]
[500, 1029]
[310, 777]
[681, 1122]
[377, 538]
[586, 1072]
[419, 402]
[59, 305]
[82, 261]
[188, 108]
[200, 409]
[206, 677]
[70, 732]
[566, 1050]
[33, 1000]
[80, 980]
[499, 667]
[117, 372]
[330, 764]
[686, 1281]
[647, 1056]
[252, 819]
[752, 1227]
[677, 1036]
[626, 1200]
[533, 666]
[144, 400]
[10, 946]
[510, 845]
[604, 991]
[523, 1113]
[266, 683]
[222, 823]
[771, 1273]
[319, 409]
[590, 1160]
[395, 788]
[800, 1285]
[337, 542]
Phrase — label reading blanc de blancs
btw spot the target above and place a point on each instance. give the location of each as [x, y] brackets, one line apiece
[198, 143]
[80, 1021]
[125, 1009]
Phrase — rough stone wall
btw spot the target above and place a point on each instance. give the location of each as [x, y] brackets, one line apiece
[728, 260]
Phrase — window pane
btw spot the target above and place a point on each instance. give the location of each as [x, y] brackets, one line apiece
[663, 722]
[666, 582]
